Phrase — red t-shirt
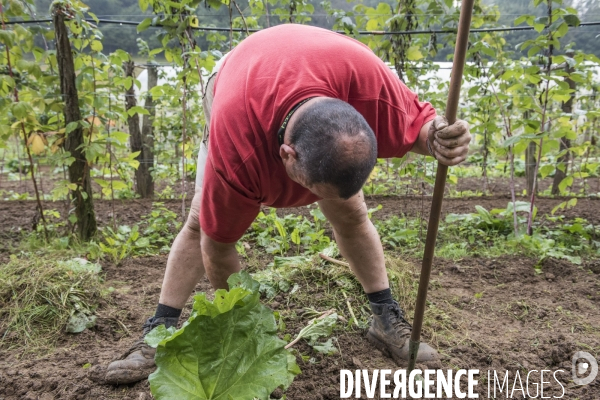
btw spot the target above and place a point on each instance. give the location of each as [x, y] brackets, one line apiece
[258, 84]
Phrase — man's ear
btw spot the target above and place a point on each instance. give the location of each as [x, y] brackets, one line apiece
[287, 153]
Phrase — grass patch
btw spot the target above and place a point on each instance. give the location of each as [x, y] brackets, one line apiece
[38, 296]
[404, 282]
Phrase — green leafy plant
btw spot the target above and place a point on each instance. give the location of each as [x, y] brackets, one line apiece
[483, 223]
[245, 358]
[122, 242]
[155, 233]
[545, 248]
[399, 232]
[277, 234]
[160, 227]
[489, 232]
[279, 275]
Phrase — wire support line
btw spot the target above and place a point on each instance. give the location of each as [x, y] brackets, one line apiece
[174, 66]
[179, 97]
[312, 15]
[243, 30]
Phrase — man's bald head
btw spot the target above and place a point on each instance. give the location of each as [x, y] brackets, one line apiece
[334, 146]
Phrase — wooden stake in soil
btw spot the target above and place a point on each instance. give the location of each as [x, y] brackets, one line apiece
[460, 53]
[145, 182]
[141, 139]
[79, 174]
[562, 164]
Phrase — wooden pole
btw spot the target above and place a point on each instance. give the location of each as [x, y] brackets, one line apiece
[458, 64]
[562, 164]
[74, 143]
[133, 122]
[145, 184]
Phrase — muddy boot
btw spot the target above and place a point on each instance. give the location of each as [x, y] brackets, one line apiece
[390, 333]
[137, 362]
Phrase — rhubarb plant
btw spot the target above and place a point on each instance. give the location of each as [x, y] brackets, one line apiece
[227, 349]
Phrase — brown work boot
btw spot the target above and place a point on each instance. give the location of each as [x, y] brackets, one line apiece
[390, 333]
[137, 362]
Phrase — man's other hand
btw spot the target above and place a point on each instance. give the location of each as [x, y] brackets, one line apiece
[449, 143]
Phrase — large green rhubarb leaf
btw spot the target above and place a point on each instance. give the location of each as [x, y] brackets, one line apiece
[228, 349]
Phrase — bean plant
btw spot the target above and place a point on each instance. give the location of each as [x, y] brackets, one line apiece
[533, 109]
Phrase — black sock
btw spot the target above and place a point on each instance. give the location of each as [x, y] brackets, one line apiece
[381, 297]
[167, 312]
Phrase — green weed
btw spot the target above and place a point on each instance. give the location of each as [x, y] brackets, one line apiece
[400, 232]
[292, 232]
[122, 242]
[154, 234]
[491, 233]
[482, 233]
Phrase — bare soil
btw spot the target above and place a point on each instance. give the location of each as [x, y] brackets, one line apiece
[20, 215]
[498, 314]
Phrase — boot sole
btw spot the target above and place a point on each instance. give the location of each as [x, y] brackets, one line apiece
[381, 346]
[126, 376]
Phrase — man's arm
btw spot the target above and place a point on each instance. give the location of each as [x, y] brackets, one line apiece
[420, 146]
[358, 240]
[449, 144]
[220, 261]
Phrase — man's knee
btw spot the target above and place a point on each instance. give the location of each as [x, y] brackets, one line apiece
[193, 220]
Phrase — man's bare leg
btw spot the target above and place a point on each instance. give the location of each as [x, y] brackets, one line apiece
[184, 270]
[184, 265]
[221, 259]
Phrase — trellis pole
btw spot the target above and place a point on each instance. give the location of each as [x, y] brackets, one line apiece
[458, 64]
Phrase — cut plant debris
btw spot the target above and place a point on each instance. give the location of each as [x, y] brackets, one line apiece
[42, 296]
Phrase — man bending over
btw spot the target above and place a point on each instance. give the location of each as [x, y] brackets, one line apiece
[297, 115]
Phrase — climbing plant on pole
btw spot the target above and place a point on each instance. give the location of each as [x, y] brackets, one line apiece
[79, 173]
